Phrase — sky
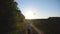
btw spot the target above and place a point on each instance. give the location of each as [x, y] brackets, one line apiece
[40, 8]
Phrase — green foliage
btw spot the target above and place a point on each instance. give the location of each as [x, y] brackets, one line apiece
[10, 16]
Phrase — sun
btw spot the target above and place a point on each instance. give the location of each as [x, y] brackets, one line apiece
[29, 15]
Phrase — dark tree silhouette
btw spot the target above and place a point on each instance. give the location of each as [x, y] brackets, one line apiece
[8, 16]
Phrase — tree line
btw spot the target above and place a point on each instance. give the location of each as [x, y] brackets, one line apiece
[10, 15]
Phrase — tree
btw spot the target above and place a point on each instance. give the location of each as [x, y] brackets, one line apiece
[8, 12]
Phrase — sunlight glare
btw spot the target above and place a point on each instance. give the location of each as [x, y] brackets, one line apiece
[29, 15]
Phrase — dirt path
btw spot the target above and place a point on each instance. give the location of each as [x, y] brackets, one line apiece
[37, 30]
[34, 30]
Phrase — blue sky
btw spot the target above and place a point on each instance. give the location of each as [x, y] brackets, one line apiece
[42, 8]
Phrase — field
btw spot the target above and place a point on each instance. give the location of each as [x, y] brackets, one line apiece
[48, 26]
